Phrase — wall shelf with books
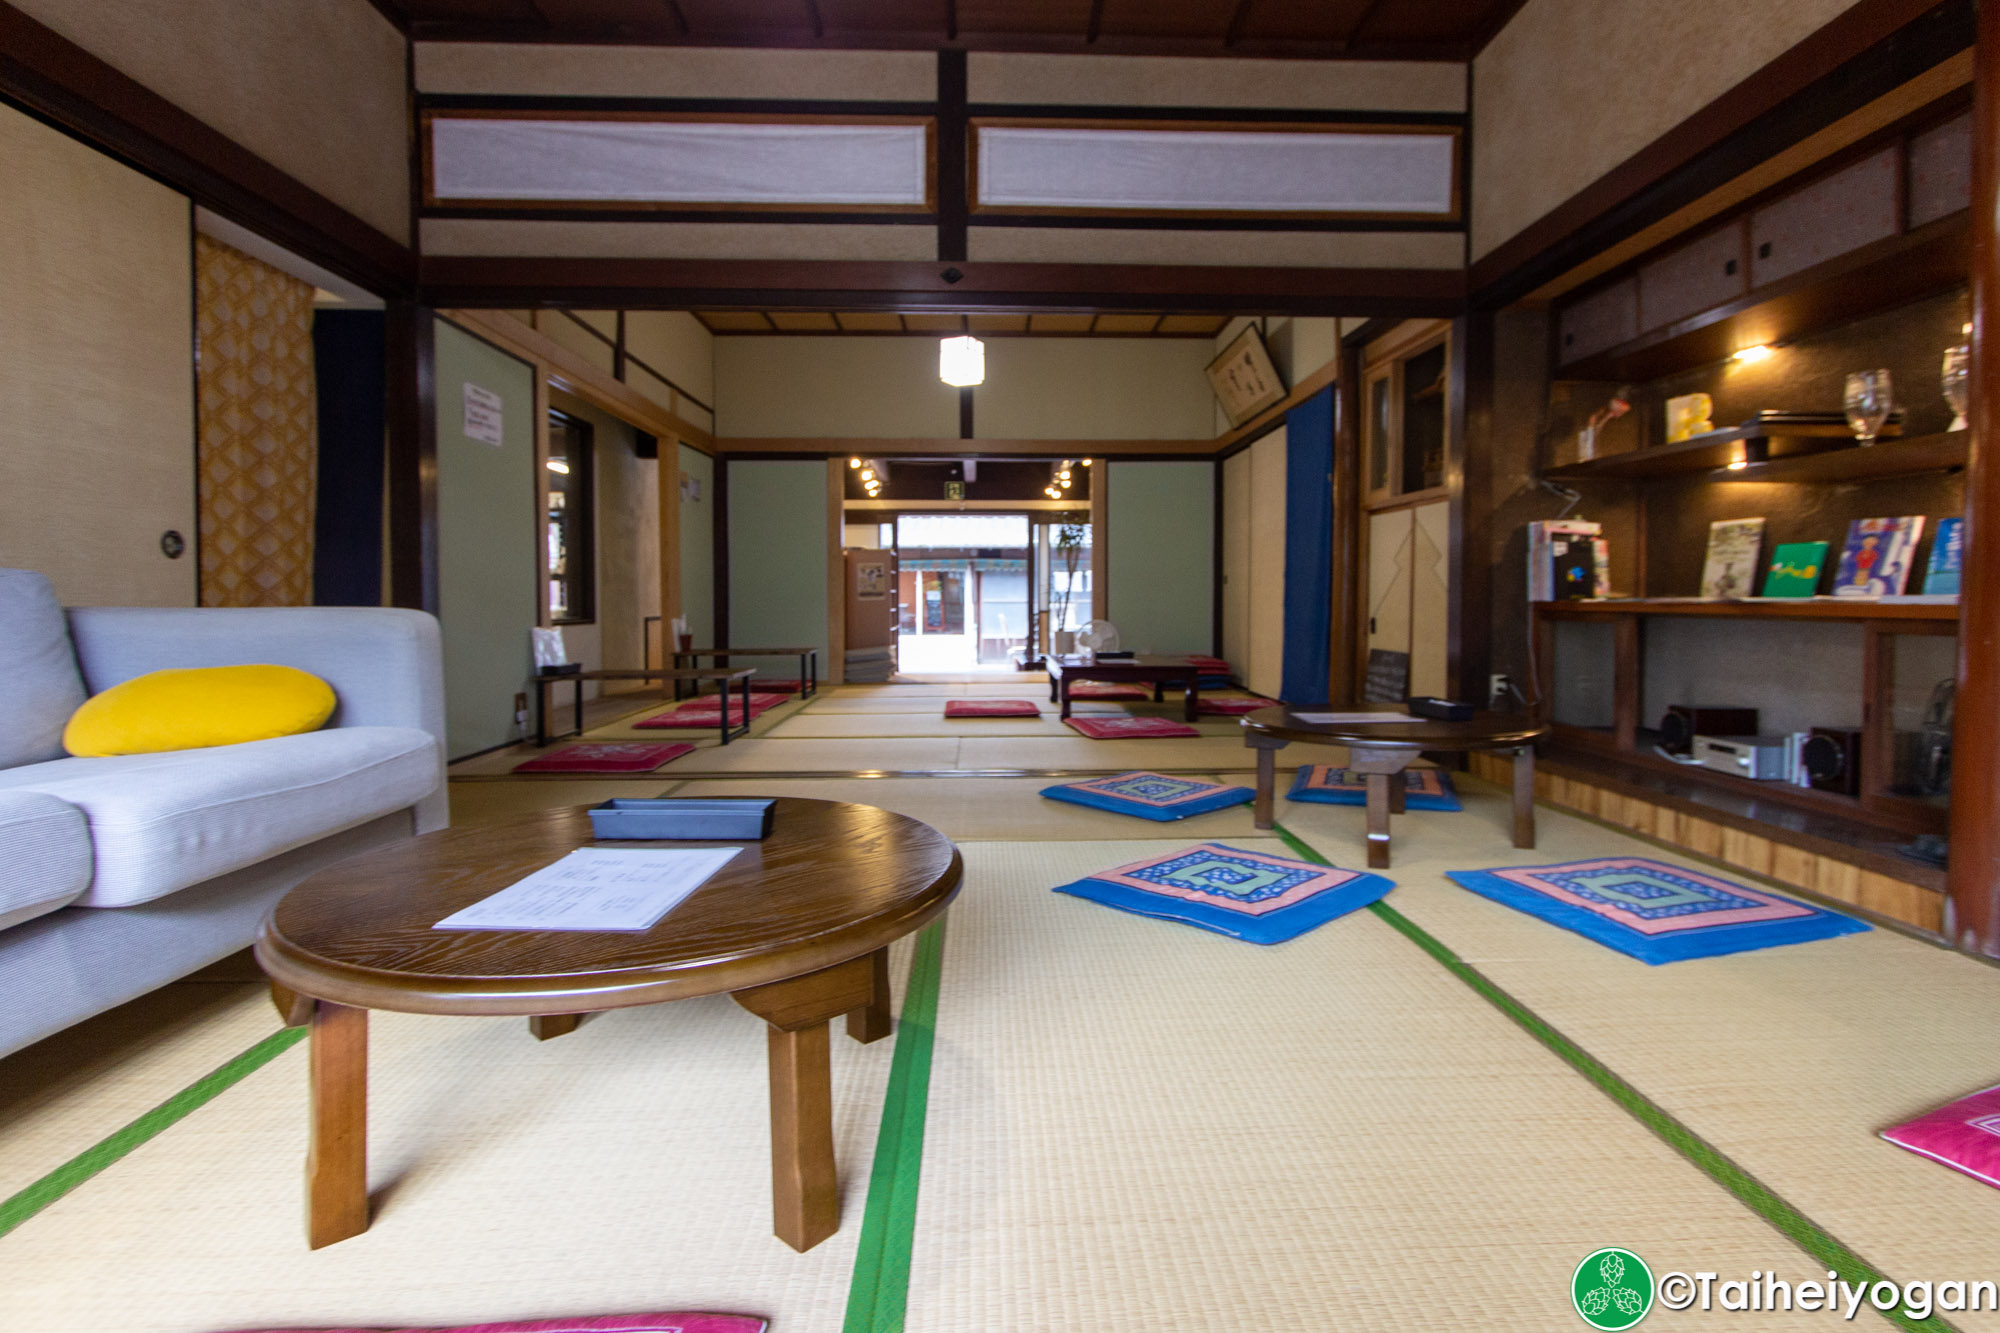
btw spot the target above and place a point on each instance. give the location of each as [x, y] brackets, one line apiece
[1855, 609]
[1712, 451]
[1890, 458]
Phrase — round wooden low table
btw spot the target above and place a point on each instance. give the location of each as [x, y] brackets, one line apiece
[795, 928]
[1382, 750]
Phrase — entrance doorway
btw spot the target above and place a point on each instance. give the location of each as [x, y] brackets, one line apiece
[963, 584]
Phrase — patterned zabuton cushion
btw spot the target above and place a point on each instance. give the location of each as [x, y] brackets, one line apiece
[1129, 728]
[1105, 689]
[614, 1323]
[1252, 896]
[606, 757]
[991, 708]
[1964, 1135]
[1423, 788]
[706, 712]
[1150, 795]
[1655, 912]
[1231, 707]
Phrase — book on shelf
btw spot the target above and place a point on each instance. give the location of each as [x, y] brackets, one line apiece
[1572, 567]
[1947, 557]
[1733, 547]
[1876, 560]
[1795, 569]
[1542, 559]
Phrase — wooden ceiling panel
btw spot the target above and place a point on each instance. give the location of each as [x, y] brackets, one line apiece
[1208, 19]
[934, 323]
[1126, 324]
[1204, 326]
[734, 321]
[870, 321]
[1059, 323]
[749, 19]
[803, 321]
[997, 323]
[1027, 18]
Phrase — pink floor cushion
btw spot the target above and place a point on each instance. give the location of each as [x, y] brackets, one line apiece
[706, 712]
[1211, 664]
[1129, 728]
[781, 685]
[1104, 689]
[991, 708]
[1251, 895]
[1231, 707]
[606, 757]
[1964, 1135]
[610, 1323]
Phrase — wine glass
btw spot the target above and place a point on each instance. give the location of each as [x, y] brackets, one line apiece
[1869, 398]
[1957, 374]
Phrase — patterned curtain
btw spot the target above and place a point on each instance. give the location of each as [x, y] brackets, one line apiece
[258, 452]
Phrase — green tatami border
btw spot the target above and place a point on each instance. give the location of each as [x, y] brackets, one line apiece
[879, 1293]
[1808, 1235]
[25, 1204]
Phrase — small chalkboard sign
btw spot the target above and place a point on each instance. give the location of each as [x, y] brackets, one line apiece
[1388, 677]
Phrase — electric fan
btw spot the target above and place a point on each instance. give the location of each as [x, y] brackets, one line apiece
[1099, 636]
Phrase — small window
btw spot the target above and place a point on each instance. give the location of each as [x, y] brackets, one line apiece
[572, 523]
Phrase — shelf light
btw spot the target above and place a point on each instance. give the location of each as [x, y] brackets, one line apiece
[1739, 465]
[854, 462]
[557, 465]
[1750, 356]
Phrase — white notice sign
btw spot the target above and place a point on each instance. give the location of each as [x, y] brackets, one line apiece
[482, 415]
[596, 888]
[1353, 719]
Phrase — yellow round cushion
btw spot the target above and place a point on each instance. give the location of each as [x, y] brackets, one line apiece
[190, 708]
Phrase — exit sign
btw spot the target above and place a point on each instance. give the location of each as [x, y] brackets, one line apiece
[954, 490]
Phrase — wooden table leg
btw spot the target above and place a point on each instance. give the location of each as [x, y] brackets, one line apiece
[1267, 783]
[295, 1009]
[871, 1022]
[1160, 693]
[1399, 792]
[1194, 698]
[1524, 796]
[541, 712]
[337, 1158]
[1378, 821]
[1064, 683]
[548, 1026]
[805, 1189]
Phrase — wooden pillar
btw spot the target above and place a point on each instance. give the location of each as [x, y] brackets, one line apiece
[1343, 660]
[411, 351]
[833, 671]
[1100, 539]
[1972, 912]
[668, 489]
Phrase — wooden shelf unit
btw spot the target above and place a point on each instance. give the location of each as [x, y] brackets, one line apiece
[1629, 743]
[1888, 458]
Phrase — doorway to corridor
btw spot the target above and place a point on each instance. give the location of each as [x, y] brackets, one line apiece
[962, 595]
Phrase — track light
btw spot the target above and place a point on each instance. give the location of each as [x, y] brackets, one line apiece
[557, 465]
[854, 462]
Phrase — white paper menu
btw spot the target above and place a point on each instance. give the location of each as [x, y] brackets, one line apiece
[1352, 719]
[596, 888]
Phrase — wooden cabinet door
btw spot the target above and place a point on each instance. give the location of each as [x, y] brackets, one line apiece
[1600, 320]
[1430, 598]
[1941, 171]
[1388, 604]
[1835, 214]
[1701, 274]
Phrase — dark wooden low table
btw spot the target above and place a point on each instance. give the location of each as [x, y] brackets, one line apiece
[796, 929]
[1382, 750]
[1159, 672]
[808, 662]
[662, 674]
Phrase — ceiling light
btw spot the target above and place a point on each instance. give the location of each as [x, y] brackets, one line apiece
[867, 474]
[1750, 356]
[557, 465]
[1086, 462]
[854, 462]
[962, 362]
[1739, 465]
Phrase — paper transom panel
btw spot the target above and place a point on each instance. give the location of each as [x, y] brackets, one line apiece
[1225, 171]
[643, 162]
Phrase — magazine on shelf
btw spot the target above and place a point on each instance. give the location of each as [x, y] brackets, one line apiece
[1947, 557]
[1795, 570]
[1733, 547]
[1876, 560]
[1541, 557]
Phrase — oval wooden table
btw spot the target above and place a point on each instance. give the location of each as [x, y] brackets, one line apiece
[795, 928]
[1382, 750]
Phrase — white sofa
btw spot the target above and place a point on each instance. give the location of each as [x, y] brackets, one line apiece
[118, 875]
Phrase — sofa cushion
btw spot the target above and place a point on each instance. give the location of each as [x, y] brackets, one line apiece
[162, 822]
[193, 708]
[44, 855]
[43, 686]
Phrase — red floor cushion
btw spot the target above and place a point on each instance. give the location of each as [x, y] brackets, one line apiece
[606, 757]
[611, 1323]
[1129, 728]
[991, 708]
[707, 711]
[1964, 1135]
[1104, 689]
[1231, 707]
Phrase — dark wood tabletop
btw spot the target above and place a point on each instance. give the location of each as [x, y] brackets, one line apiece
[833, 882]
[1483, 731]
[1146, 666]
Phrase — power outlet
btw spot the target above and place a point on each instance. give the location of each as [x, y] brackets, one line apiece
[521, 714]
[1499, 686]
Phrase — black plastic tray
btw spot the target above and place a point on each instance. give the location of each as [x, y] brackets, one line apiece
[626, 818]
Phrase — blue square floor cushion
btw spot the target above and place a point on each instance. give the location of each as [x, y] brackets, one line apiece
[1423, 788]
[1153, 796]
[1252, 896]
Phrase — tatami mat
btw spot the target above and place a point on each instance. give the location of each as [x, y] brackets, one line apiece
[1224, 751]
[816, 726]
[990, 808]
[1140, 1126]
[1788, 1060]
[623, 1167]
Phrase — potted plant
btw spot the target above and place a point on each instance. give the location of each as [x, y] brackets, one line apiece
[1068, 548]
